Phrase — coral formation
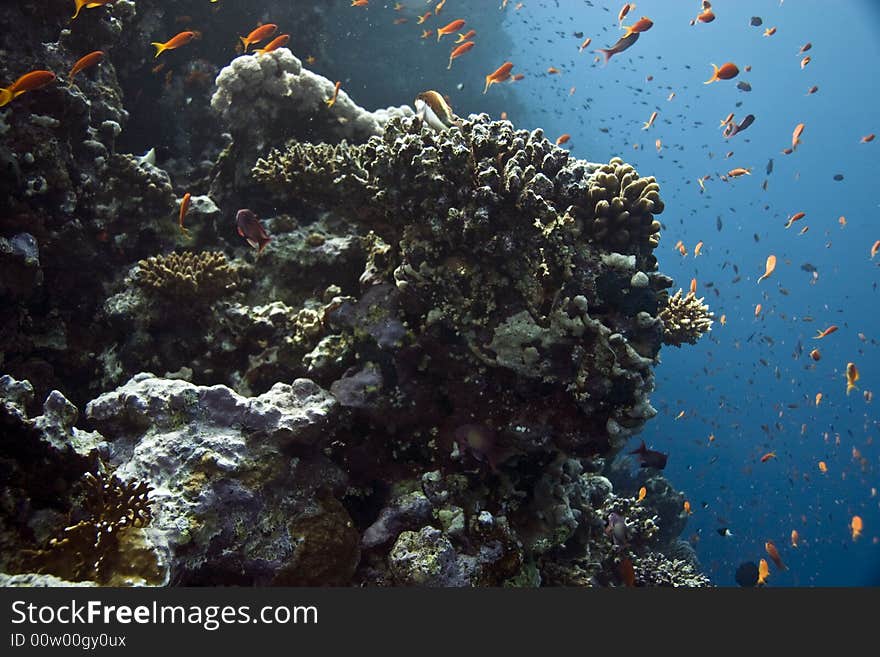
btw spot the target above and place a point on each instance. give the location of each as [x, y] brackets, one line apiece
[685, 319]
[189, 277]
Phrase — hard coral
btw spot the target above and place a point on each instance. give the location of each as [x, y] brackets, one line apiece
[193, 277]
[685, 319]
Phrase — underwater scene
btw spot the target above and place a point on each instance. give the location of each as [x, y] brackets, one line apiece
[450, 294]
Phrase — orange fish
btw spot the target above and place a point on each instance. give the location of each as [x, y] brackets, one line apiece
[274, 44]
[769, 267]
[459, 51]
[856, 526]
[763, 571]
[758, 308]
[563, 139]
[852, 375]
[258, 34]
[450, 28]
[841, 221]
[795, 217]
[770, 31]
[795, 538]
[816, 355]
[723, 320]
[822, 334]
[812, 90]
[687, 507]
[439, 7]
[823, 467]
[867, 138]
[585, 43]
[681, 248]
[499, 75]
[642, 493]
[552, 70]
[768, 456]
[184, 206]
[796, 135]
[176, 41]
[421, 19]
[89, 4]
[27, 82]
[464, 37]
[360, 3]
[874, 248]
[818, 399]
[739, 171]
[806, 60]
[693, 288]
[85, 62]
[706, 16]
[805, 48]
[426, 34]
[628, 7]
[726, 72]
[332, 100]
[517, 77]
[774, 554]
[650, 121]
[642, 25]
[659, 145]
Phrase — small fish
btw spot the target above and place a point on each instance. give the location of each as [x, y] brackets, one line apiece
[563, 139]
[773, 553]
[650, 458]
[822, 334]
[795, 538]
[726, 72]
[823, 467]
[816, 355]
[758, 308]
[687, 507]
[258, 34]
[449, 28]
[88, 4]
[274, 44]
[332, 100]
[178, 40]
[742, 85]
[755, 21]
[724, 531]
[763, 571]
[812, 90]
[818, 399]
[459, 51]
[805, 48]
[769, 267]
[706, 16]
[250, 228]
[806, 60]
[184, 206]
[650, 121]
[360, 3]
[466, 36]
[770, 31]
[739, 171]
[642, 25]
[628, 7]
[622, 44]
[27, 82]
[421, 19]
[552, 71]
[85, 62]
[856, 526]
[852, 375]
[500, 74]
[768, 456]
[867, 138]
[796, 136]
[875, 247]
[797, 216]
[585, 43]
[698, 248]
[615, 527]
[642, 493]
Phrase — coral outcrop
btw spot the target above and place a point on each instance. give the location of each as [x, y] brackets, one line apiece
[187, 277]
[685, 319]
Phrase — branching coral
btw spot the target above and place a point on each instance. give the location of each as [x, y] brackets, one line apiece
[685, 319]
[193, 277]
[99, 546]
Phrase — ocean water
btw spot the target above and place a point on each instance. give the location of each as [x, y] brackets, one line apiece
[751, 384]
[748, 388]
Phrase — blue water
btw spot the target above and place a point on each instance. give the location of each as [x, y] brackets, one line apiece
[751, 383]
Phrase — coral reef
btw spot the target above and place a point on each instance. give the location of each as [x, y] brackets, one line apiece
[188, 277]
[685, 319]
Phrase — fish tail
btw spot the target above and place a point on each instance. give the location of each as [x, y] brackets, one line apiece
[608, 52]
[450, 64]
[714, 75]
[160, 48]
[6, 97]
[488, 82]
[79, 6]
[245, 43]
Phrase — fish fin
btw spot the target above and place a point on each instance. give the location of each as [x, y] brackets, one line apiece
[714, 75]
[160, 48]
[253, 243]
[244, 43]
[6, 97]
[608, 52]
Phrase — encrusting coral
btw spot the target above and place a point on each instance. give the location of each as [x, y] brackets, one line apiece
[685, 319]
[196, 277]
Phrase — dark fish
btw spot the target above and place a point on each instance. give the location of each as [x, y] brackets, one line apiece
[650, 458]
[250, 228]
[616, 528]
[756, 22]
[724, 531]
[769, 166]
[838, 177]
[747, 574]
[742, 85]
[808, 267]
[732, 128]
[718, 224]
[579, 35]
[622, 44]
